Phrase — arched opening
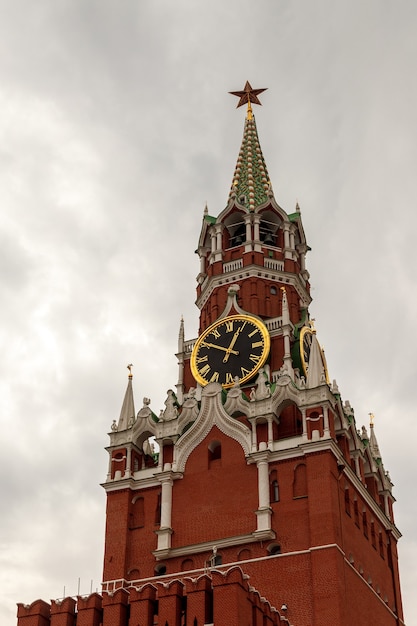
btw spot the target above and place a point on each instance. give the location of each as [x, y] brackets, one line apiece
[290, 422]
[300, 481]
[187, 565]
[160, 569]
[273, 486]
[137, 515]
[214, 453]
[244, 555]
[274, 549]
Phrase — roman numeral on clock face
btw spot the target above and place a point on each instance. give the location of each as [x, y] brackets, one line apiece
[202, 359]
[204, 370]
[254, 358]
[257, 344]
[229, 378]
[229, 326]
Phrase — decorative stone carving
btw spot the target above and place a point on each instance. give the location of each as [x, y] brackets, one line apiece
[145, 411]
[171, 410]
[263, 389]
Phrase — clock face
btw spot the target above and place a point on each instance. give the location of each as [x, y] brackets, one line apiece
[233, 346]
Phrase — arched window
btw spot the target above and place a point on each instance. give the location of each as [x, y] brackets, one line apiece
[244, 555]
[138, 513]
[187, 565]
[300, 481]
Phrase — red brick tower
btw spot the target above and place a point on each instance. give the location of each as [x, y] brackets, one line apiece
[260, 463]
[263, 493]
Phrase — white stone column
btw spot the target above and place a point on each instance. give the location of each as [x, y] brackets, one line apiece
[287, 247]
[213, 240]
[304, 416]
[270, 432]
[128, 472]
[256, 232]
[326, 433]
[263, 513]
[166, 497]
[165, 531]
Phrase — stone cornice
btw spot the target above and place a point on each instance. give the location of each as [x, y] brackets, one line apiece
[207, 546]
[252, 271]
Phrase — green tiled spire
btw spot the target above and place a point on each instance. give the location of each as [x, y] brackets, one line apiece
[251, 179]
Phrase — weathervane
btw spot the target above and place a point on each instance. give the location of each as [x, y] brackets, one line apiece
[247, 96]
[129, 367]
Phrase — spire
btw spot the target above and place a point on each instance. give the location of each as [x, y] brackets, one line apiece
[127, 414]
[251, 182]
[373, 443]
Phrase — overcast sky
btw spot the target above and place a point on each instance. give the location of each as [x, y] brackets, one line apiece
[115, 129]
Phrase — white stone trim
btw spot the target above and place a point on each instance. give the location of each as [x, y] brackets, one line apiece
[207, 546]
[211, 413]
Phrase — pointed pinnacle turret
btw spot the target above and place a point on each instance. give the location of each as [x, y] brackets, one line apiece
[251, 182]
[127, 414]
[315, 375]
[373, 443]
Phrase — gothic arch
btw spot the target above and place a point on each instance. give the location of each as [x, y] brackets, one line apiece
[211, 413]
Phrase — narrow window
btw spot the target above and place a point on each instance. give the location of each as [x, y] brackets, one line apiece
[356, 512]
[373, 535]
[158, 510]
[381, 545]
[365, 524]
[347, 501]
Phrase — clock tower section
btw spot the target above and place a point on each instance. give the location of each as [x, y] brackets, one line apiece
[252, 259]
[263, 477]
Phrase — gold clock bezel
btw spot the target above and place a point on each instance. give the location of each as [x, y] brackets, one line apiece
[221, 322]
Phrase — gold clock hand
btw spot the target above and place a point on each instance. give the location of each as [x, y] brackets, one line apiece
[213, 345]
[229, 350]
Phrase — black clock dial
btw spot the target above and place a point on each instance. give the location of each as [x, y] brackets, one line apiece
[235, 346]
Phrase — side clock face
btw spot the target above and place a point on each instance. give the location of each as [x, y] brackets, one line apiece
[233, 346]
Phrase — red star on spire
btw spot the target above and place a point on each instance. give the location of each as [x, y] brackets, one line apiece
[248, 95]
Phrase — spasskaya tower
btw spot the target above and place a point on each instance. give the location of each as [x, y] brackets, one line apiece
[253, 498]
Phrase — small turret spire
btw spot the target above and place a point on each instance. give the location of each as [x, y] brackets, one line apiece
[127, 414]
[373, 443]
